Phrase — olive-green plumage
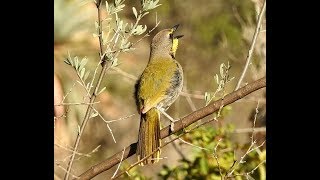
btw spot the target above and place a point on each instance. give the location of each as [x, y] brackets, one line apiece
[158, 87]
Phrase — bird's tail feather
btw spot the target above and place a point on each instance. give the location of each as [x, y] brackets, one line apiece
[149, 137]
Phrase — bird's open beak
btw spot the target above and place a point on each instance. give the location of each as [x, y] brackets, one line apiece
[174, 28]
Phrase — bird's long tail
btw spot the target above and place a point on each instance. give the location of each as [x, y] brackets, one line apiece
[149, 137]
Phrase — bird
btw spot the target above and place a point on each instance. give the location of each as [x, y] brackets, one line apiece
[157, 88]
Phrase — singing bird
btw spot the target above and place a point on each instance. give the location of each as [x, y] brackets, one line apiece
[157, 88]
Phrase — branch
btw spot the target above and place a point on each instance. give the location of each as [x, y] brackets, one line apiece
[252, 45]
[92, 98]
[179, 125]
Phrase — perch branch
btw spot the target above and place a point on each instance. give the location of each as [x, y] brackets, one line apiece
[184, 122]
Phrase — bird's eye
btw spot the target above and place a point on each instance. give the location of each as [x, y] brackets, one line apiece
[171, 35]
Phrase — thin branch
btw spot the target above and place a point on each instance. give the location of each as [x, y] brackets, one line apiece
[196, 96]
[202, 148]
[216, 158]
[92, 98]
[65, 170]
[65, 96]
[70, 104]
[250, 149]
[249, 130]
[125, 74]
[184, 122]
[175, 146]
[119, 164]
[252, 45]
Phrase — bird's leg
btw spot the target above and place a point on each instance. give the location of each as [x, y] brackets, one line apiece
[169, 117]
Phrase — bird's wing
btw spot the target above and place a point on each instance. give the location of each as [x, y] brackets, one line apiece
[155, 82]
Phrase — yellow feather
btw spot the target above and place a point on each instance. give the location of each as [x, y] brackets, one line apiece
[175, 46]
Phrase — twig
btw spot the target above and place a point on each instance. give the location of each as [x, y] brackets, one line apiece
[252, 46]
[119, 164]
[184, 122]
[216, 158]
[175, 146]
[65, 96]
[250, 149]
[202, 148]
[70, 104]
[65, 170]
[249, 130]
[125, 74]
[196, 96]
[92, 98]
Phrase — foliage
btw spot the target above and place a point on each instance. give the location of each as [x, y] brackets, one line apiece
[203, 164]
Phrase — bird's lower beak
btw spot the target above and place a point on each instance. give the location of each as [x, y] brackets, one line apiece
[179, 36]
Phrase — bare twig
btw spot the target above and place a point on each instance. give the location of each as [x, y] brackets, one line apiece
[252, 46]
[249, 130]
[70, 104]
[250, 149]
[125, 74]
[92, 98]
[184, 122]
[216, 158]
[119, 164]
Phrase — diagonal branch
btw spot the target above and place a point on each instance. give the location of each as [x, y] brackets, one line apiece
[184, 122]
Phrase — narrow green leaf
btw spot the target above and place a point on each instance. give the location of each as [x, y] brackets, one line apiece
[83, 62]
[107, 6]
[87, 86]
[82, 72]
[76, 63]
[86, 75]
[95, 114]
[135, 12]
[221, 70]
[216, 77]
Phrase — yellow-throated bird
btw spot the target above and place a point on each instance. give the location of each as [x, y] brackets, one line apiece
[158, 87]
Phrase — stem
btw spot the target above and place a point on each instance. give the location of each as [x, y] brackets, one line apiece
[252, 45]
[92, 98]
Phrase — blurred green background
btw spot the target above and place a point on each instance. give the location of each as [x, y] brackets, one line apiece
[215, 32]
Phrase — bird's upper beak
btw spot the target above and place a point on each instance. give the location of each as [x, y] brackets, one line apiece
[174, 28]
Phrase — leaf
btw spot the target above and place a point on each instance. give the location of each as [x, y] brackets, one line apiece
[107, 6]
[216, 77]
[221, 70]
[135, 12]
[82, 72]
[76, 62]
[86, 75]
[95, 114]
[101, 90]
[114, 63]
[83, 62]
[87, 86]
